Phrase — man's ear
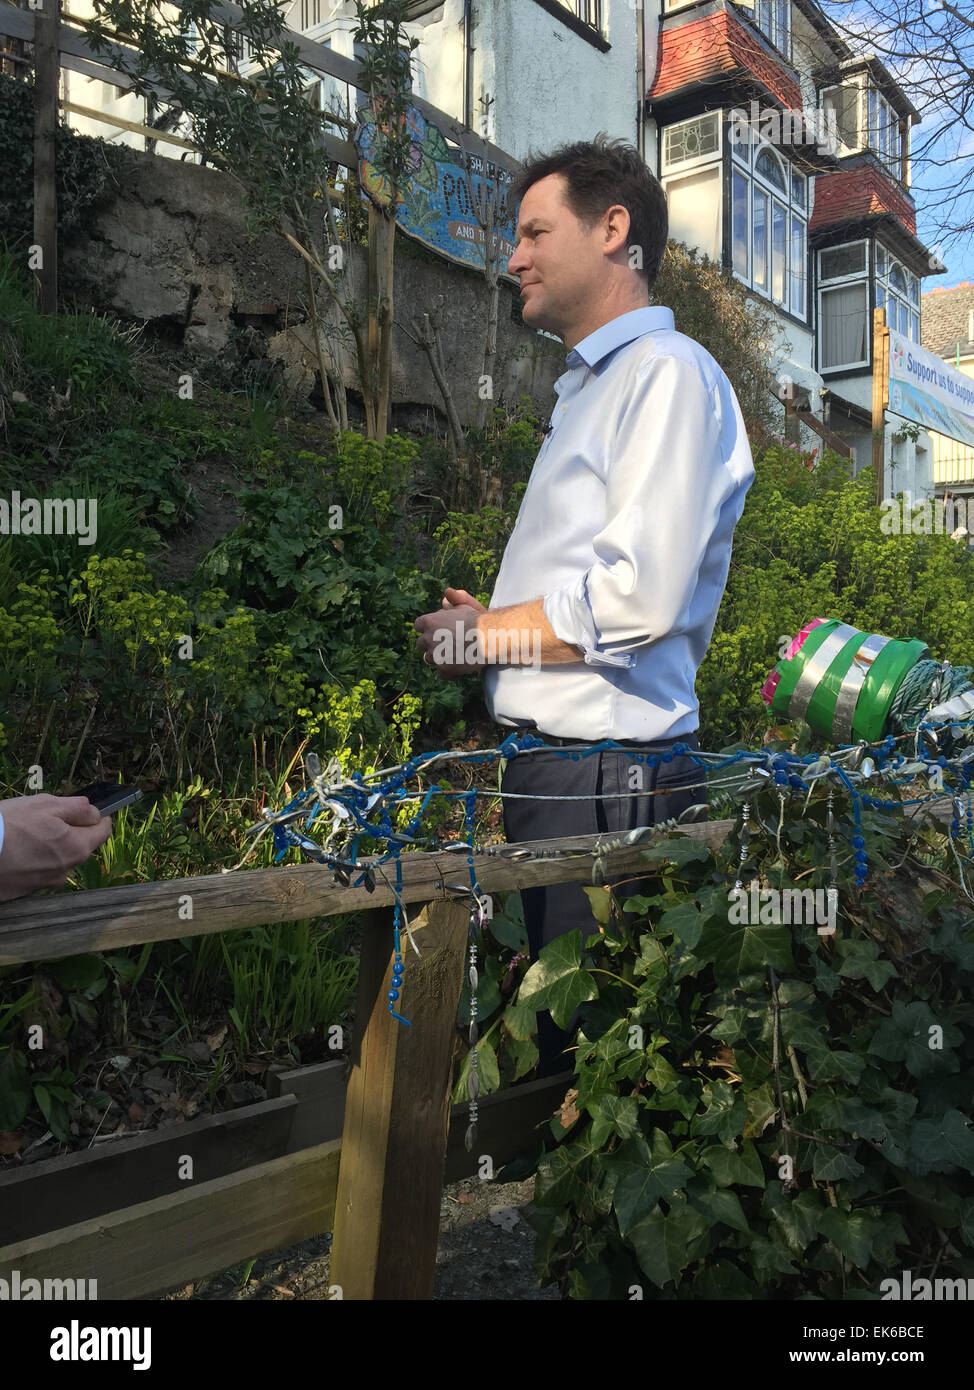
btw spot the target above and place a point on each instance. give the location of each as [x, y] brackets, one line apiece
[617, 222]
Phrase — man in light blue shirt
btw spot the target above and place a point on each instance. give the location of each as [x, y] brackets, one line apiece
[609, 587]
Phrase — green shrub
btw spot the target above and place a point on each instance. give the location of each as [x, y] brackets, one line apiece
[761, 1111]
[84, 167]
[330, 567]
[810, 545]
[718, 311]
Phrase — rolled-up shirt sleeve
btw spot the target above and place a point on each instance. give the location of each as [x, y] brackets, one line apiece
[666, 484]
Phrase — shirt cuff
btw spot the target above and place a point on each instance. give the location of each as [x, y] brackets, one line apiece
[570, 616]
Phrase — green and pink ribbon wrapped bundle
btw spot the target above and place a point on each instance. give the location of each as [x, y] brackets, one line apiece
[849, 685]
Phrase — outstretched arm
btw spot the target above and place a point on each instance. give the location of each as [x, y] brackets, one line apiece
[43, 838]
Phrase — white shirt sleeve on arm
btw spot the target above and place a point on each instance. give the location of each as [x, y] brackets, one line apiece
[667, 482]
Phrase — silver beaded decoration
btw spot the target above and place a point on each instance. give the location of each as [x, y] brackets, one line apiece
[832, 892]
[745, 841]
[477, 917]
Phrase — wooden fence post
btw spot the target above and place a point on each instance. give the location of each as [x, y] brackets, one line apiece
[880, 398]
[387, 1212]
[47, 75]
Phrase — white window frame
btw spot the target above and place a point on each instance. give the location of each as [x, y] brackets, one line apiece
[758, 183]
[887, 123]
[904, 300]
[841, 282]
[853, 84]
[771, 9]
[713, 157]
[793, 216]
[852, 274]
[748, 233]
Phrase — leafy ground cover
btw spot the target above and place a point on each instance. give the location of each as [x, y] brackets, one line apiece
[756, 1044]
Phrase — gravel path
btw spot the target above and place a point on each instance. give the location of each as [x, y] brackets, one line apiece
[486, 1251]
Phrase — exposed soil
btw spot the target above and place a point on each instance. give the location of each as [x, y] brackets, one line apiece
[486, 1251]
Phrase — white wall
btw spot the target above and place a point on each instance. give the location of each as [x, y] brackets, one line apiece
[76, 87]
[550, 86]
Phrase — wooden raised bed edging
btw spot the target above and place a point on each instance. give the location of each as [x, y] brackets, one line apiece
[304, 1108]
[148, 1249]
[508, 1124]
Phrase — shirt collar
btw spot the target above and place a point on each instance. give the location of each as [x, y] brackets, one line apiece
[617, 332]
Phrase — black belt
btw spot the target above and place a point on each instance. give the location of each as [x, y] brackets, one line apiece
[623, 742]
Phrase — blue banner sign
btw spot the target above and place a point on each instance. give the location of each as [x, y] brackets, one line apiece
[438, 206]
[924, 389]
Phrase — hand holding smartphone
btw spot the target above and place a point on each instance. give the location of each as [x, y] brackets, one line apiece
[109, 797]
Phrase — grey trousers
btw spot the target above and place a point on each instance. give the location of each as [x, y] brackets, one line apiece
[557, 908]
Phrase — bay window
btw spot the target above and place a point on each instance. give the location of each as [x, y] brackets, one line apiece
[841, 107]
[863, 118]
[773, 18]
[843, 304]
[692, 142]
[884, 132]
[898, 292]
[691, 154]
[769, 224]
[740, 222]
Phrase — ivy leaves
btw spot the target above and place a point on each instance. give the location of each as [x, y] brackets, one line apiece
[762, 1111]
[557, 982]
[640, 1175]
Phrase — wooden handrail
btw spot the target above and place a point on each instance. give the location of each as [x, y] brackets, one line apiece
[19, 24]
[101, 919]
[833, 440]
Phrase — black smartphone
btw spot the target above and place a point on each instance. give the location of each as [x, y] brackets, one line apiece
[109, 797]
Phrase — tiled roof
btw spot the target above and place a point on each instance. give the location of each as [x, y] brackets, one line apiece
[946, 318]
[951, 289]
[714, 45]
[858, 192]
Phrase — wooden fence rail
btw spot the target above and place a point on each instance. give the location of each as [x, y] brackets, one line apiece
[383, 1197]
[69, 924]
[378, 1186]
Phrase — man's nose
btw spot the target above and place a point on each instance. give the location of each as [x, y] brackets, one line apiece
[517, 263]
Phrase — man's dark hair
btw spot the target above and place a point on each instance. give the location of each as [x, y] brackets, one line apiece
[600, 173]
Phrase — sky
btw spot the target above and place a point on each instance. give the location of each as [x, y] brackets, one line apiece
[926, 47]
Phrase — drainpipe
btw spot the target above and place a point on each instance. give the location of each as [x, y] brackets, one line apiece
[641, 79]
[467, 65]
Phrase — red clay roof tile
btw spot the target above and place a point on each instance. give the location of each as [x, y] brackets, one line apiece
[850, 193]
[718, 43]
